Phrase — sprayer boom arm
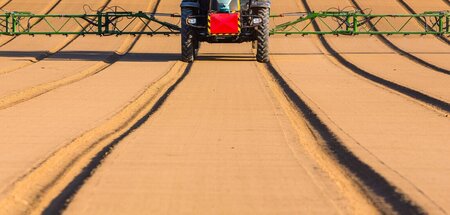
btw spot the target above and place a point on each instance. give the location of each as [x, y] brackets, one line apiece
[119, 23]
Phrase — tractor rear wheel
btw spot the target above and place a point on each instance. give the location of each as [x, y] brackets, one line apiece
[188, 41]
[262, 36]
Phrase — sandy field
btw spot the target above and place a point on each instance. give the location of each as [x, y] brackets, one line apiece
[119, 125]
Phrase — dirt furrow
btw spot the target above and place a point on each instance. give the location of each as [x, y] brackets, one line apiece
[4, 3]
[51, 5]
[32, 92]
[381, 128]
[363, 54]
[360, 182]
[431, 5]
[163, 166]
[436, 97]
[426, 49]
[410, 53]
[384, 129]
[34, 192]
[100, 97]
[250, 147]
[50, 46]
[117, 125]
[14, 97]
[411, 10]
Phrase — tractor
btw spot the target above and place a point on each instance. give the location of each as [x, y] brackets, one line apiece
[224, 21]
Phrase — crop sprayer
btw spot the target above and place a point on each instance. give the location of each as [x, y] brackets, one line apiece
[223, 21]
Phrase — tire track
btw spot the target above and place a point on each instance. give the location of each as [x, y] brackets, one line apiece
[359, 181]
[315, 148]
[32, 92]
[205, 91]
[412, 11]
[5, 3]
[69, 39]
[52, 5]
[402, 52]
[421, 98]
[60, 202]
[47, 187]
[447, 2]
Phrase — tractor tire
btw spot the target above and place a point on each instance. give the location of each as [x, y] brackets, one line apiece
[188, 41]
[196, 47]
[262, 36]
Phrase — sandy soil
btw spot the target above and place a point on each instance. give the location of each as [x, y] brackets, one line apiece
[391, 131]
[436, 51]
[368, 52]
[83, 54]
[12, 47]
[221, 138]
[220, 145]
[111, 87]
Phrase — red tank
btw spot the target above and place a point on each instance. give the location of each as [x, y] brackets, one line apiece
[224, 23]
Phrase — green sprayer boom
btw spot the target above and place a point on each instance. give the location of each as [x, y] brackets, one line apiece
[109, 23]
[354, 23]
[119, 23]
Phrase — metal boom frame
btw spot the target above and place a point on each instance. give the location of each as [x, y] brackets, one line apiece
[354, 23]
[118, 23]
[109, 23]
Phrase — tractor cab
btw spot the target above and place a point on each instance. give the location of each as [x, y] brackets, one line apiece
[225, 6]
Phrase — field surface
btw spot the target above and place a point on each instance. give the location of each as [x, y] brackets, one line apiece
[118, 125]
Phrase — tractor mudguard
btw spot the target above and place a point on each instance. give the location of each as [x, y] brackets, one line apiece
[260, 4]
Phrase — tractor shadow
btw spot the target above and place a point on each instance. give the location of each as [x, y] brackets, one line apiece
[224, 57]
[105, 56]
[110, 57]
